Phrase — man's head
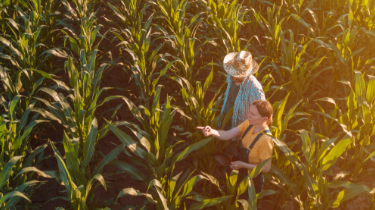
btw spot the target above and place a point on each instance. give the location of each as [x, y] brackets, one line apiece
[240, 64]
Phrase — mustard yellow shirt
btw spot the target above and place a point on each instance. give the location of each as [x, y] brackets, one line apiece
[262, 150]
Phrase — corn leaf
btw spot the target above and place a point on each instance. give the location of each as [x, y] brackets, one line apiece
[5, 173]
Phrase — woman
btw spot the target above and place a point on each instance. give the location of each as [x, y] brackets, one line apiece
[254, 146]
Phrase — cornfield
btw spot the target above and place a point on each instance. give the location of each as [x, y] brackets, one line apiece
[100, 103]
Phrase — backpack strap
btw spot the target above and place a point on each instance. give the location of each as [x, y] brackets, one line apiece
[258, 137]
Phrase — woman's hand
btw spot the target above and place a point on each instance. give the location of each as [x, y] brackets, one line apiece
[237, 165]
[207, 131]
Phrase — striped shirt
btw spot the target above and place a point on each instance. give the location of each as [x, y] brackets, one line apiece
[250, 90]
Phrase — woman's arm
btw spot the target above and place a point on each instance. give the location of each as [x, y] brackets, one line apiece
[239, 164]
[220, 134]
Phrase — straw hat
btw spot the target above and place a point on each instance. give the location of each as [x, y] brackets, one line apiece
[240, 64]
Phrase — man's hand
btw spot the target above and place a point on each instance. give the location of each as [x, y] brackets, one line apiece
[207, 131]
[237, 165]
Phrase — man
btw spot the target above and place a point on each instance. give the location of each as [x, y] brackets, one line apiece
[243, 88]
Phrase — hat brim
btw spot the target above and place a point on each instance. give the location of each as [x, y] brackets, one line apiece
[233, 71]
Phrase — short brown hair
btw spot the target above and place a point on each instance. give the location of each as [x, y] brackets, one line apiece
[265, 110]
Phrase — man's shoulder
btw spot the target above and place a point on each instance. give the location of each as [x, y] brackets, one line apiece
[253, 79]
[254, 83]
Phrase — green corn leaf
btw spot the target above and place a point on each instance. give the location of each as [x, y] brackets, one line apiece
[74, 46]
[324, 148]
[350, 192]
[11, 203]
[208, 202]
[214, 181]
[188, 186]
[279, 114]
[284, 179]
[5, 173]
[64, 173]
[369, 156]
[45, 174]
[258, 169]
[134, 192]
[26, 133]
[162, 198]
[134, 172]
[12, 105]
[108, 158]
[50, 92]
[300, 20]
[370, 95]
[265, 193]
[90, 66]
[360, 88]
[98, 177]
[182, 155]
[242, 187]
[233, 178]
[244, 203]
[13, 194]
[128, 141]
[165, 125]
[72, 161]
[25, 117]
[306, 146]
[89, 144]
[330, 159]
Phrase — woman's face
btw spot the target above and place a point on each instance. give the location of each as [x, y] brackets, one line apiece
[254, 117]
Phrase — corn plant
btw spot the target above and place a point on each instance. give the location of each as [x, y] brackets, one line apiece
[272, 28]
[17, 128]
[312, 174]
[78, 115]
[183, 33]
[157, 153]
[226, 18]
[201, 114]
[81, 30]
[24, 53]
[251, 203]
[136, 41]
[7, 194]
[83, 9]
[280, 123]
[4, 14]
[15, 136]
[301, 13]
[356, 115]
[301, 73]
[29, 35]
[86, 40]
[232, 190]
[75, 172]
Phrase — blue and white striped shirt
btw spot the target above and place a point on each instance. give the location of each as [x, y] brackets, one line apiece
[250, 90]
